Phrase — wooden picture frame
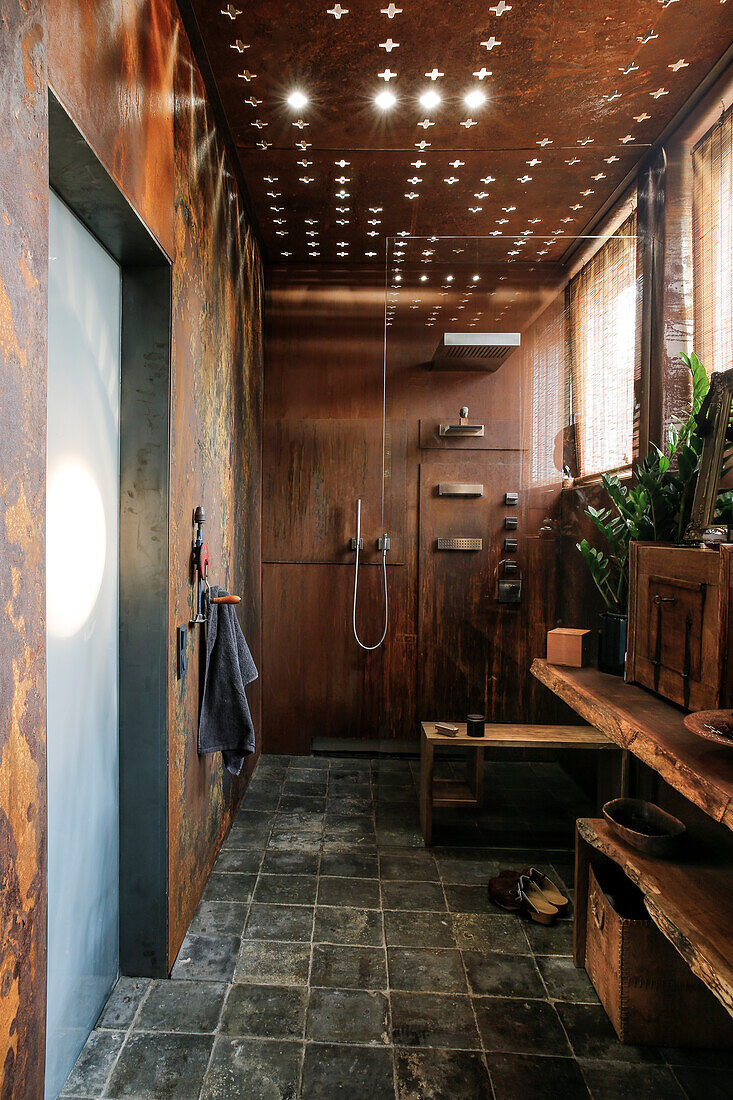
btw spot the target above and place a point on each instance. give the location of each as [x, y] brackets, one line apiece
[713, 420]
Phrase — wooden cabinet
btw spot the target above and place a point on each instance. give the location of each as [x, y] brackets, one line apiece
[679, 623]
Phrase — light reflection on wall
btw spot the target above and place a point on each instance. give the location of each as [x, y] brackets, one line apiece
[76, 546]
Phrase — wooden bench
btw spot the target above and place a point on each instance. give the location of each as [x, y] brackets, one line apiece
[454, 794]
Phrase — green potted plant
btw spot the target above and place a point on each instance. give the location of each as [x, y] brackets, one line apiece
[655, 507]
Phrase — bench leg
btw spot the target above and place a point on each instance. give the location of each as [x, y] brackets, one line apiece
[475, 774]
[426, 790]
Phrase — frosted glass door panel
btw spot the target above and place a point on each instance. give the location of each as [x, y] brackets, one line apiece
[82, 635]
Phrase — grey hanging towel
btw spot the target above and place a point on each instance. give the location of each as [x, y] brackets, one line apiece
[225, 724]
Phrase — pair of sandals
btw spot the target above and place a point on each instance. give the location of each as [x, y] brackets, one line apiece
[530, 892]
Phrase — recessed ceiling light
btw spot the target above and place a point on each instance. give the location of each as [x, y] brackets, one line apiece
[398, 278]
[297, 99]
[449, 278]
[430, 99]
[423, 278]
[476, 278]
[385, 100]
[475, 98]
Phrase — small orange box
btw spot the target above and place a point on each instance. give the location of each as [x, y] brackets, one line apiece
[568, 646]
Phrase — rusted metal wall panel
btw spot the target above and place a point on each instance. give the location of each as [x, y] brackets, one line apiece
[325, 339]
[125, 72]
[23, 297]
[215, 461]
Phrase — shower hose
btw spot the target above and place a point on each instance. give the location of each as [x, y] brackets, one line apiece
[356, 584]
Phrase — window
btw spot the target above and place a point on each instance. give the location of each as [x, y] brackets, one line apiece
[603, 353]
[712, 249]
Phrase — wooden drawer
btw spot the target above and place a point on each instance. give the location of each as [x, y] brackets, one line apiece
[678, 623]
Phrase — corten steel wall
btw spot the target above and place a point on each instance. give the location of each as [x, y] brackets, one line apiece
[448, 641]
[126, 74]
[23, 297]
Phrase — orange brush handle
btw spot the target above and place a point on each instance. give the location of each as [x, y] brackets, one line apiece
[226, 599]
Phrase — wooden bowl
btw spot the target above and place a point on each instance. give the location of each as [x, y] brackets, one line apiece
[714, 725]
[644, 825]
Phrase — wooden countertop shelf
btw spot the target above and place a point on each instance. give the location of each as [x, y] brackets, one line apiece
[688, 899]
[652, 730]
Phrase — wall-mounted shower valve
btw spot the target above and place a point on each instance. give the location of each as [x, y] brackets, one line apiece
[510, 544]
[511, 523]
[511, 498]
[354, 544]
[384, 542]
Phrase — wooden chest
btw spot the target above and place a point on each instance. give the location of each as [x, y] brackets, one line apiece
[679, 623]
[649, 993]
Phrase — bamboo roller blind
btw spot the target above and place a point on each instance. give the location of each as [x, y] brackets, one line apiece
[603, 353]
[712, 250]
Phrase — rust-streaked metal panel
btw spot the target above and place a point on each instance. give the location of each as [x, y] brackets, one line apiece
[315, 472]
[23, 311]
[215, 461]
[111, 65]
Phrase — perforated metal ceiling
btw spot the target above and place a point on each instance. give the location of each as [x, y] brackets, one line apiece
[516, 118]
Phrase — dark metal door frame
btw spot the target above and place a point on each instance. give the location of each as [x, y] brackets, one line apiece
[79, 178]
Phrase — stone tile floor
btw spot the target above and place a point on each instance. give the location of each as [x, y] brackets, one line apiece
[333, 956]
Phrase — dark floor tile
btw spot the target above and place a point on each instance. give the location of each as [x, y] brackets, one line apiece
[163, 1067]
[350, 805]
[426, 970]
[592, 1036]
[240, 838]
[514, 1026]
[470, 872]
[702, 1058]
[262, 799]
[309, 763]
[565, 981]
[123, 1002]
[229, 887]
[188, 1006]
[516, 1075]
[363, 892]
[294, 842]
[279, 922]
[354, 1073]
[94, 1063]
[348, 864]
[242, 860]
[302, 804]
[468, 899]
[340, 967]
[413, 896]
[409, 837]
[550, 939]
[286, 889]
[272, 963]
[618, 1080]
[501, 975]
[290, 863]
[271, 1011]
[361, 927]
[348, 1016]
[404, 928]
[713, 1084]
[207, 958]
[304, 823]
[348, 836]
[219, 918]
[408, 866]
[441, 1075]
[312, 788]
[488, 932]
[250, 1069]
[433, 1020]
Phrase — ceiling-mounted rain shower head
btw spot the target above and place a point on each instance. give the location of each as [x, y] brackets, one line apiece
[479, 351]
